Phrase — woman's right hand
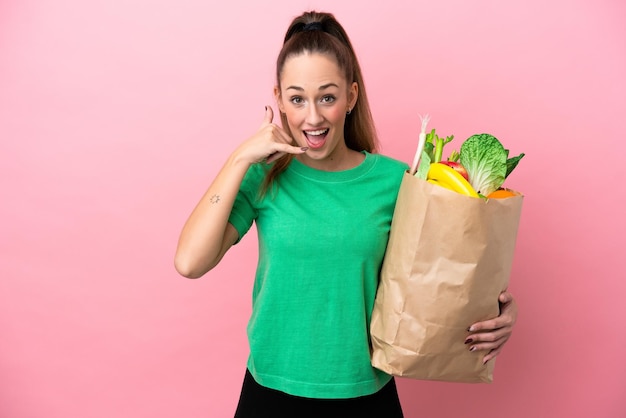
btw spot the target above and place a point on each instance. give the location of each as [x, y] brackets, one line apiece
[269, 143]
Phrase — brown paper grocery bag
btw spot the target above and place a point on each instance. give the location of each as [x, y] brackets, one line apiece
[448, 258]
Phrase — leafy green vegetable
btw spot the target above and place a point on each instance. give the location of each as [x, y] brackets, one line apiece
[429, 149]
[511, 163]
[485, 160]
[436, 145]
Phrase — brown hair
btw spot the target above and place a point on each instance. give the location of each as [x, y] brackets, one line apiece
[316, 32]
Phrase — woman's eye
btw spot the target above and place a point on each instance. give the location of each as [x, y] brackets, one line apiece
[328, 99]
[297, 100]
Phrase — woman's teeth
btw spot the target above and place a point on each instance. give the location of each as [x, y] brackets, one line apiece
[316, 139]
[319, 132]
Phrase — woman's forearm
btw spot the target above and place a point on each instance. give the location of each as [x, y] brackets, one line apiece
[205, 236]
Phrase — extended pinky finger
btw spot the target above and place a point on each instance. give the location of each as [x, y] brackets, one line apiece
[274, 156]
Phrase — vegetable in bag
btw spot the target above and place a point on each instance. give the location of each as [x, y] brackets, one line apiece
[484, 158]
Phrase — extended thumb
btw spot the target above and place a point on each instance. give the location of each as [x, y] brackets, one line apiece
[269, 114]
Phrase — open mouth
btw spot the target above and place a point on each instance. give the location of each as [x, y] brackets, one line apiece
[316, 139]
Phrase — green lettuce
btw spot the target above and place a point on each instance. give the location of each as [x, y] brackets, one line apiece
[512, 162]
[485, 160]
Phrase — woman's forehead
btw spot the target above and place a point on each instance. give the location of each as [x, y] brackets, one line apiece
[311, 70]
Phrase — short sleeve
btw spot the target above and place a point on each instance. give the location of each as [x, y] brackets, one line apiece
[245, 210]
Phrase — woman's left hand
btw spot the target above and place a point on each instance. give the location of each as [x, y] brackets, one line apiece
[491, 335]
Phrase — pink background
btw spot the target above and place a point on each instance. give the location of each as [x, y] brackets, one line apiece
[114, 117]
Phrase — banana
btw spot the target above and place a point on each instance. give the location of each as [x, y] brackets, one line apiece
[440, 184]
[448, 177]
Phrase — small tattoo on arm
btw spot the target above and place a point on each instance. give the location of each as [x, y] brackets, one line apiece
[214, 199]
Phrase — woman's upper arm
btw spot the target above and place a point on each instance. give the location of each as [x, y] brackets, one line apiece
[230, 238]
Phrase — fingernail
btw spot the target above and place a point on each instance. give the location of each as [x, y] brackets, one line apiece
[470, 329]
[468, 341]
[473, 348]
[266, 108]
[304, 148]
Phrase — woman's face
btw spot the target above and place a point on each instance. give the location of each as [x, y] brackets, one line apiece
[315, 96]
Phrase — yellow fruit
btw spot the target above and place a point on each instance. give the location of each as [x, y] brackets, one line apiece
[440, 184]
[451, 178]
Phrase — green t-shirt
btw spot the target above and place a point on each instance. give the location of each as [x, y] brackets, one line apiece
[322, 237]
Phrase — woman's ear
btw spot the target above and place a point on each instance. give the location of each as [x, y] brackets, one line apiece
[353, 95]
[278, 98]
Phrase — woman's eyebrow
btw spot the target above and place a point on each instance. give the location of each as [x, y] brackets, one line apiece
[323, 87]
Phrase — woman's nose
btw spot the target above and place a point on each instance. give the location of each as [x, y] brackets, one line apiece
[313, 116]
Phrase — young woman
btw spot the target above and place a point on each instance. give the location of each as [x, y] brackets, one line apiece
[322, 200]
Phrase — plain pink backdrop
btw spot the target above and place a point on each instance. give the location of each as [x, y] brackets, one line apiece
[114, 117]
